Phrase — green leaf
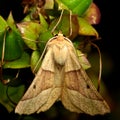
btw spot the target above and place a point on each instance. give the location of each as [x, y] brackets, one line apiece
[83, 60]
[49, 4]
[12, 47]
[64, 25]
[76, 6]
[12, 92]
[86, 28]
[43, 39]
[34, 61]
[93, 14]
[43, 21]
[27, 18]
[30, 33]
[11, 22]
[3, 24]
[22, 62]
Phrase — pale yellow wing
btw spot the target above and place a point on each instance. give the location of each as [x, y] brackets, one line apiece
[42, 92]
[79, 94]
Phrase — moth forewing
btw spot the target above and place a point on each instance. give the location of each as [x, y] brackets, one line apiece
[61, 77]
[42, 92]
[81, 95]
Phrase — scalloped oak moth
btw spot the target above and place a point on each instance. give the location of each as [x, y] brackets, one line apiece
[61, 77]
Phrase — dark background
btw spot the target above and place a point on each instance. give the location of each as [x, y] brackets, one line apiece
[108, 29]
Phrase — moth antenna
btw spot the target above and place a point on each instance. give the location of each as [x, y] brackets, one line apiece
[40, 58]
[50, 39]
[3, 54]
[100, 65]
[3, 48]
[70, 23]
[58, 21]
[30, 40]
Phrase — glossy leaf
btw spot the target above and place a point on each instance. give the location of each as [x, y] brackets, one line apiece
[64, 25]
[27, 18]
[3, 24]
[34, 61]
[30, 33]
[83, 60]
[12, 47]
[93, 14]
[43, 22]
[76, 6]
[11, 22]
[22, 62]
[86, 28]
[43, 38]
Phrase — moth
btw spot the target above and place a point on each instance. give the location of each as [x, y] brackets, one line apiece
[61, 77]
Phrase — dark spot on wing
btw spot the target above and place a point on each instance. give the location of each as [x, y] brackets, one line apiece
[88, 86]
[34, 86]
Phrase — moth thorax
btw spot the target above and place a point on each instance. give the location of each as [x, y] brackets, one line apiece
[60, 55]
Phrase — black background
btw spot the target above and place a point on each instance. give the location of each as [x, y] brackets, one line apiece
[108, 28]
